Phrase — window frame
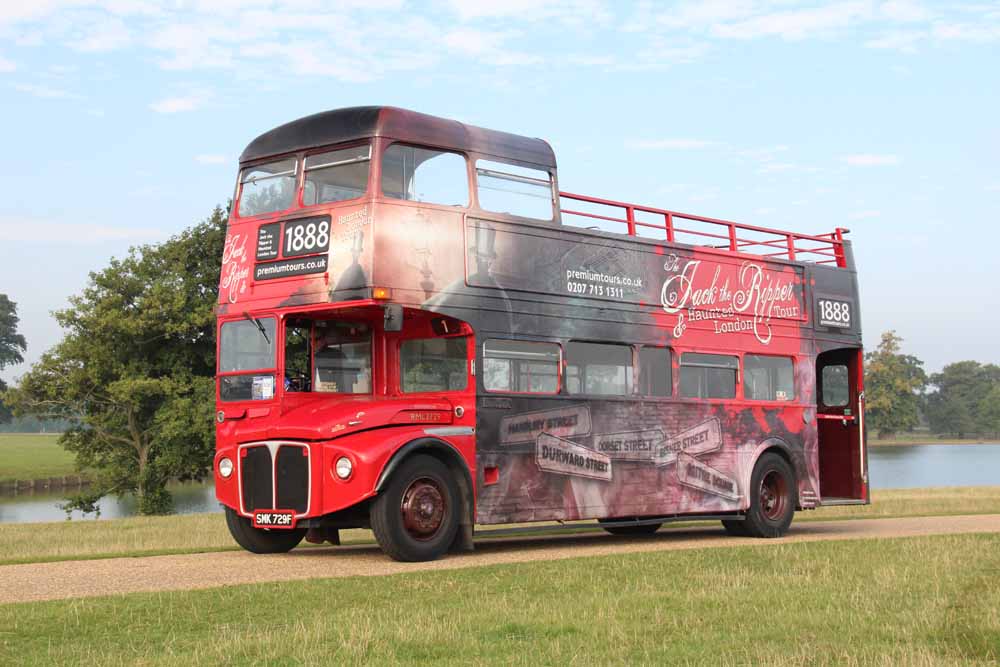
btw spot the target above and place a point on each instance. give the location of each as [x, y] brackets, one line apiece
[791, 400]
[672, 389]
[272, 370]
[553, 196]
[738, 388]
[821, 398]
[560, 368]
[629, 391]
[469, 181]
[314, 348]
[399, 365]
[300, 199]
[296, 172]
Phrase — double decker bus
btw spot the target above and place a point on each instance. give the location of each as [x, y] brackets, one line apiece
[420, 333]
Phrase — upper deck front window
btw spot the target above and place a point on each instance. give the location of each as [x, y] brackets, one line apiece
[336, 175]
[268, 187]
[425, 175]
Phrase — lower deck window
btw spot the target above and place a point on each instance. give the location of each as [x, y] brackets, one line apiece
[767, 378]
[522, 367]
[598, 369]
[708, 375]
[433, 364]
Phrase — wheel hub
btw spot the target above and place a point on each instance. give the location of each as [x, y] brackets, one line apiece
[773, 495]
[423, 508]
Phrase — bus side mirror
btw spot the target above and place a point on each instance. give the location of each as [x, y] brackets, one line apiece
[393, 317]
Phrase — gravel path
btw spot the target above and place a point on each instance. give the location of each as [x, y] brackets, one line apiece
[74, 579]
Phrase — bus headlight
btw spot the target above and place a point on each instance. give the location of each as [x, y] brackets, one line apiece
[344, 467]
[225, 467]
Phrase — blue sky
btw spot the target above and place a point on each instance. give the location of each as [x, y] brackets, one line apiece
[122, 121]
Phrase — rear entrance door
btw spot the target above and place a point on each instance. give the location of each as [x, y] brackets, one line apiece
[843, 459]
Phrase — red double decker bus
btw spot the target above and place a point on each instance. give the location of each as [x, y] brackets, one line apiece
[420, 333]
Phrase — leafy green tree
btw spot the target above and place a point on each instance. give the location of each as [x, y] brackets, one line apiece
[989, 412]
[893, 386]
[12, 344]
[135, 368]
[954, 404]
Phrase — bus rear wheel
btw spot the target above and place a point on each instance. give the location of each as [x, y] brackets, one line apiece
[641, 529]
[416, 517]
[773, 497]
[258, 540]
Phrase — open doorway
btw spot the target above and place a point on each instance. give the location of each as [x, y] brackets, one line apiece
[843, 464]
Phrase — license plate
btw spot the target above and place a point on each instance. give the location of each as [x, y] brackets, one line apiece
[281, 519]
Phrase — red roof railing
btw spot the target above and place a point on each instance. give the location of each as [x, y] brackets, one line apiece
[661, 224]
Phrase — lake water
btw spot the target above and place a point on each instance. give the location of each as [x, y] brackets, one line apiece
[912, 466]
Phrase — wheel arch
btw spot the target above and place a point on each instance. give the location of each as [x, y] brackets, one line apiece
[457, 466]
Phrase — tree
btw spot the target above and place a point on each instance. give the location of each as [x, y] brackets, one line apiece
[135, 368]
[12, 344]
[893, 383]
[956, 405]
[989, 412]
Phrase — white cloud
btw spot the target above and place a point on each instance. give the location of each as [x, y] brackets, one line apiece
[905, 11]
[902, 41]
[177, 104]
[210, 158]
[871, 160]
[671, 144]
[106, 34]
[796, 24]
[993, 188]
[49, 231]
[45, 92]
[7, 65]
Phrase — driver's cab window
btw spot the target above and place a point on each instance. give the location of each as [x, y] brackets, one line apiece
[298, 355]
[343, 358]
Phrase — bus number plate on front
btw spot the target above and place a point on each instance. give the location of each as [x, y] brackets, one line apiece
[306, 236]
[282, 519]
[834, 313]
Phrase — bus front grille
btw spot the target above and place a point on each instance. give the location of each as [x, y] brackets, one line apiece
[256, 477]
[279, 483]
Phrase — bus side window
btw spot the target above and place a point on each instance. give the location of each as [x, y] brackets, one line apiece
[708, 375]
[599, 369]
[767, 378]
[655, 372]
[522, 367]
[835, 389]
[505, 188]
[425, 175]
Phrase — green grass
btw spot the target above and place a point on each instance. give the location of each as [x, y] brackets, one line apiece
[33, 456]
[915, 601]
[194, 533]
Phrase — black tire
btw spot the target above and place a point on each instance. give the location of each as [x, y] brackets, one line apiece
[773, 497]
[735, 528]
[415, 518]
[641, 529]
[259, 540]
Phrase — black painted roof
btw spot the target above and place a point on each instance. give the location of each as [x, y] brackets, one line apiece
[339, 125]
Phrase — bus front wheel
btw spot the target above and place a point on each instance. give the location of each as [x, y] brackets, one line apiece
[773, 497]
[416, 517]
[260, 541]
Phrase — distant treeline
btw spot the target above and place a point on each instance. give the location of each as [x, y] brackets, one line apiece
[963, 400]
[34, 425]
